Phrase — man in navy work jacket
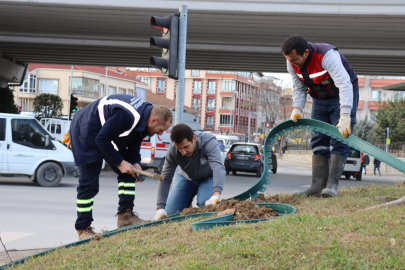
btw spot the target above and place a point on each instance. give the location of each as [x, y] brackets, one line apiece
[201, 172]
[112, 128]
[318, 69]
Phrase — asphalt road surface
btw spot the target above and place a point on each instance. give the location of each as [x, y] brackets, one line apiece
[35, 217]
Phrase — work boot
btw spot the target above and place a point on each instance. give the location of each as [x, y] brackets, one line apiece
[336, 168]
[86, 233]
[128, 217]
[320, 170]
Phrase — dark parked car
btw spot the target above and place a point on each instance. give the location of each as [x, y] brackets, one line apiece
[247, 157]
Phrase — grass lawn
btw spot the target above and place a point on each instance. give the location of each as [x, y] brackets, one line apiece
[323, 234]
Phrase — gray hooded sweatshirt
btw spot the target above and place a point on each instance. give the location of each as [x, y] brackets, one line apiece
[205, 162]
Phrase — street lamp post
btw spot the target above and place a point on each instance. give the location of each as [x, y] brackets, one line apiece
[249, 125]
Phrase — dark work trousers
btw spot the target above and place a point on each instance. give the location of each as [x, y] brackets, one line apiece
[328, 110]
[89, 186]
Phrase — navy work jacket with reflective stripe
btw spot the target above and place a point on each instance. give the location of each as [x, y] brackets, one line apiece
[108, 127]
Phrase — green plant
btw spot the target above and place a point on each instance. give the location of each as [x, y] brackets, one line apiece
[7, 101]
[365, 129]
[48, 106]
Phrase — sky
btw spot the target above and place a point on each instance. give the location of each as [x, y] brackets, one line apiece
[284, 79]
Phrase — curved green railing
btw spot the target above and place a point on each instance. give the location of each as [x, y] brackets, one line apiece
[253, 192]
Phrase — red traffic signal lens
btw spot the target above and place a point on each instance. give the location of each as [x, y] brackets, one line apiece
[160, 23]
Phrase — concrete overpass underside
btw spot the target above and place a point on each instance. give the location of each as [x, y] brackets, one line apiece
[226, 35]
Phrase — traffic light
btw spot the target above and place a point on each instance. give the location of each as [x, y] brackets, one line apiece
[384, 134]
[73, 103]
[168, 43]
[19, 109]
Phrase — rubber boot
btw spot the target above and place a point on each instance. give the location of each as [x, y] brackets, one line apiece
[336, 168]
[127, 217]
[320, 170]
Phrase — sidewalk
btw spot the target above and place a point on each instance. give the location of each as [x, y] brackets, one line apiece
[17, 254]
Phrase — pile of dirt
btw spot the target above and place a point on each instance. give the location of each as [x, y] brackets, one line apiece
[242, 210]
[278, 198]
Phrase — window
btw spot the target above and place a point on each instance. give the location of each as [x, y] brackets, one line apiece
[85, 87]
[196, 103]
[197, 87]
[210, 122]
[210, 104]
[29, 85]
[131, 92]
[28, 132]
[2, 129]
[146, 80]
[195, 73]
[375, 95]
[228, 85]
[398, 94]
[161, 86]
[102, 90]
[111, 90]
[212, 85]
[121, 91]
[48, 87]
[225, 120]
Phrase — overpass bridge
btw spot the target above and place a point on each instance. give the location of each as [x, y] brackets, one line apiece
[222, 35]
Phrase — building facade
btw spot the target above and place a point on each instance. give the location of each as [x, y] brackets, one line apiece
[89, 83]
[226, 100]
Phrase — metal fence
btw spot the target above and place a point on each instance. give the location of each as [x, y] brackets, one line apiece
[393, 148]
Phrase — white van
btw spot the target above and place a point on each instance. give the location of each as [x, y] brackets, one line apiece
[227, 140]
[26, 148]
[154, 149]
[354, 164]
[56, 127]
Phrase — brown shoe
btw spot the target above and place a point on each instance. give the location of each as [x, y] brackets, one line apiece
[87, 233]
[128, 217]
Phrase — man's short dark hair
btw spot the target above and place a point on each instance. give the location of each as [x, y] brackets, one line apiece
[298, 43]
[180, 132]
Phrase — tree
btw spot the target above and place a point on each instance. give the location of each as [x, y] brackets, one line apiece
[391, 113]
[365, 129]
[48, 106]
[269, 100]
[7, 101]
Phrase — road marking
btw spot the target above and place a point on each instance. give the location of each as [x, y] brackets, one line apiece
[8, 237]
[306, 186]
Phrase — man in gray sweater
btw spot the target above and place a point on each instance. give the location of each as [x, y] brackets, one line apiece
[201, 171]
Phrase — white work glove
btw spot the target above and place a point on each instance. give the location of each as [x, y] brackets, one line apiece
[296, 113]
[213, 200]
[161, 214]
[344, 125]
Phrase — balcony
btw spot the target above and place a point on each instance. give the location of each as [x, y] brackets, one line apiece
[83, 93]
[227, 93]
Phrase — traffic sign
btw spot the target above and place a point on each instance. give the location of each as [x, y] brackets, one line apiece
[267, 125]
[256, 138]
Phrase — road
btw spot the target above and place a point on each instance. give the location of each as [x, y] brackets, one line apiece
[37, 217]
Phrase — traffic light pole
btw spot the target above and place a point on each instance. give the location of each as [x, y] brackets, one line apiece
[181, 69]
[386, 146]
[70, 95]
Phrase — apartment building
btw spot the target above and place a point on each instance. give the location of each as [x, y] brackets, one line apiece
[372, 91]
[226, 100]
[89, 84]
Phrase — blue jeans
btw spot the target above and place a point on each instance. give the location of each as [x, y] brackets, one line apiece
[378, 168]
[328, 110]
[184, 191]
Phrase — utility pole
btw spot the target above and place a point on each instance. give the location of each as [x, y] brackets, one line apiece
[181, 68]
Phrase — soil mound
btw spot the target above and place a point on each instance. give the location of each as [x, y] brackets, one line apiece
[243, 210]
[278, 198]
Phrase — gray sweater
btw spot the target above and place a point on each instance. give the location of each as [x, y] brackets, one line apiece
[205, 162]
